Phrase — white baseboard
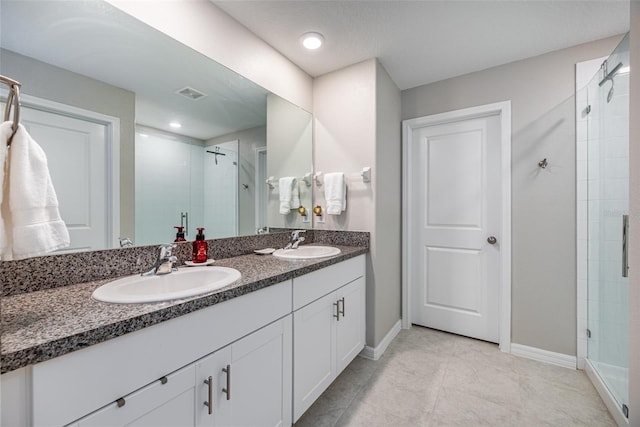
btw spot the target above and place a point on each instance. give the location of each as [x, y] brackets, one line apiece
[375, 353]
[545, 356]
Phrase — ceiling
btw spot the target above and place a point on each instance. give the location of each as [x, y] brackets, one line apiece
[113, 47]
[420, 42]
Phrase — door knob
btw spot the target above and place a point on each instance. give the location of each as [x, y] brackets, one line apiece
[492, 240]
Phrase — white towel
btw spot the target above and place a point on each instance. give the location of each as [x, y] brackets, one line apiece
[335, 193]
[289, 194]
[5, 132]
[31, 216]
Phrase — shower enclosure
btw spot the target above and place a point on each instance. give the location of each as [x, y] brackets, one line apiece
[181, 182]
[607, 116]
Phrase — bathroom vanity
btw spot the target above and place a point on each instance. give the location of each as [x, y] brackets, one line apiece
[256, 353]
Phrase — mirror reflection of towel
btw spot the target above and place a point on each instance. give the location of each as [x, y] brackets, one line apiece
[335, 193]
[289, 194]
[32, 222]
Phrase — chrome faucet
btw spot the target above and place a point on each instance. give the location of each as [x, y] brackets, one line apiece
[164, 263]
[295, 239]
[125, 242]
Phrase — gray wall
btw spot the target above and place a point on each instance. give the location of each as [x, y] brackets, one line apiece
[357, 124]
[45, 81]
[541, 90]
[388, 206]
[289, 154]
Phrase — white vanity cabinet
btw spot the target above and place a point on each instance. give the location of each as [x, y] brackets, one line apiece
[70, 388]
[229, 387]
[249, 380]
[260, 359]
[329, 328]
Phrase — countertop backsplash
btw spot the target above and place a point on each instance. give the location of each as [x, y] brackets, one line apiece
[52, 271]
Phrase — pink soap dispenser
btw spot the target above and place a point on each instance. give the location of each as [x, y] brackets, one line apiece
[199, 247]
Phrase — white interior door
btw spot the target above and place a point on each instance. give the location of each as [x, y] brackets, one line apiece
[455, 260]
[77, 156]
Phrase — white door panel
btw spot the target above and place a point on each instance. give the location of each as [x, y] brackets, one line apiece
[456, 271]
[77, 157]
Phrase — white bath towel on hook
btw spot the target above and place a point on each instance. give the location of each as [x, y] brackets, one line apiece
[289, 194]
[5, 132]
[335, 193]
[32, 221]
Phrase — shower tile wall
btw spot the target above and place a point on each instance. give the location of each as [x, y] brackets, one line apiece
[220, 198]
[608, 167]
[166, 167]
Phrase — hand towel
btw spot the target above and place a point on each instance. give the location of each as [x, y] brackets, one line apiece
[289, 194]
[5, 132]
[36, 227]
[335, 193]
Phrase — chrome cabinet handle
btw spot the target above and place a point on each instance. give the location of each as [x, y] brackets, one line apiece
[227, 390]
[492, 240]
[337, 313]
[209, 403]
[625, 245]
[341, 300]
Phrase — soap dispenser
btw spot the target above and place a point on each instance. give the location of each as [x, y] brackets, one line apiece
[199, 247]
[180, 234]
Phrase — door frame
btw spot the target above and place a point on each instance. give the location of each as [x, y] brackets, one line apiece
[409, 127]
[260, 188]
[112, 141]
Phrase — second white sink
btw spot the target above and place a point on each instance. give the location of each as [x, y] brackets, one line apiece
[184, 283]
[307, 252]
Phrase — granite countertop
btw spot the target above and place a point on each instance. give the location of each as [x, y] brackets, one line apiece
[41, 325]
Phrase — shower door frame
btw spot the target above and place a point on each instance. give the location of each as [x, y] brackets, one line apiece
[585, 72]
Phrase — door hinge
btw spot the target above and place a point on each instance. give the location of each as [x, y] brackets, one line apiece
[625, 410]
[588, 333]
[588, 109]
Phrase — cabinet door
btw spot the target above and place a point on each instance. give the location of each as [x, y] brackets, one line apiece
[156, 405]
[260, 378]
[212, 367]
[313, 351]
[350, 331]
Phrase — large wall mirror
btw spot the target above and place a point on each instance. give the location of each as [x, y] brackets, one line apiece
[143, 133]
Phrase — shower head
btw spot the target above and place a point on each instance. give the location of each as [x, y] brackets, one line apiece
[610, 76]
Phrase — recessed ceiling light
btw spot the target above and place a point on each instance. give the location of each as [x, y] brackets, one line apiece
[175, 125]
[312, 40]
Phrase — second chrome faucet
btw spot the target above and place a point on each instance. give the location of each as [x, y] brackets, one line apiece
[295, 239]
[165, 262]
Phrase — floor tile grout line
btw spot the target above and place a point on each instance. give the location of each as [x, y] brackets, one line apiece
[360, 390]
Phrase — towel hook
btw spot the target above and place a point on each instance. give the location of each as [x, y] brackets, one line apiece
[13, 100]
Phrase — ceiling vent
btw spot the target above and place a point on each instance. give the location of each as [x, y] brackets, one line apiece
[191, 93]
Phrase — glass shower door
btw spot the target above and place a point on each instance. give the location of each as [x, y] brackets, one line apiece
[608, 195]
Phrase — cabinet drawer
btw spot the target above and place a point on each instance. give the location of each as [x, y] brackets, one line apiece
[317, 284]
[171, 403]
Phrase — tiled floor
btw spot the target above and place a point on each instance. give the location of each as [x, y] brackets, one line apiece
[431, 378]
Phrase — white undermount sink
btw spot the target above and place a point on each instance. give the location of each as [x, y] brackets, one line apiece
[186, 282]
[307, 252]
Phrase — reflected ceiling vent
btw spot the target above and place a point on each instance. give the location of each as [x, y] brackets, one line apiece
[191, 93]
